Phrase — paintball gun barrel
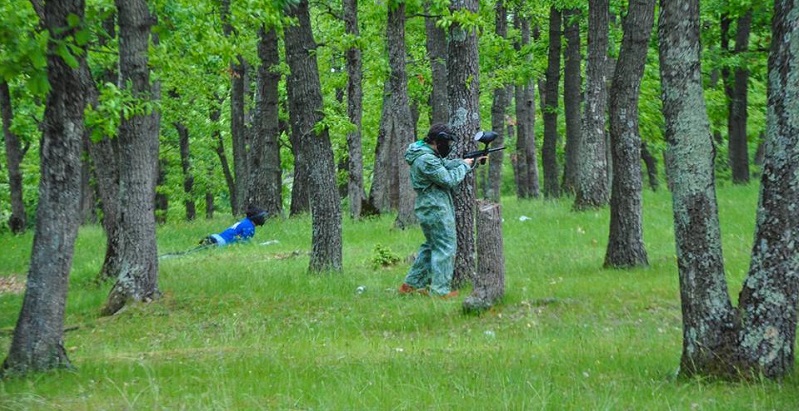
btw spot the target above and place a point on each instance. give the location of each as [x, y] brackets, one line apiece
[485, 137]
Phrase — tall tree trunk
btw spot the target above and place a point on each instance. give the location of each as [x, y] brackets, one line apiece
[300, 198]
[18, 220]
[437, 53]
[768, 300]
[391, 186]
[266, 190]
[305, 110]
[38, 341]
[104, 155]
[651, 163]
[572, 95]
[707, 314]
[88, 213]
[592, 175]
[188, 175]
[402, 134]
[355, 189]
[738, 144]
[161, 198]
[626, 239]
[238, 130]
[526, 157]
[463, 95]
[220, 152]
[549, 150]
[138, 144]
[498, 107]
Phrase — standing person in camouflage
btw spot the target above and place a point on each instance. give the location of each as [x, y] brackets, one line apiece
[433, 177]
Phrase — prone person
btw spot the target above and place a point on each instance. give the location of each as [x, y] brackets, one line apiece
[240, 231]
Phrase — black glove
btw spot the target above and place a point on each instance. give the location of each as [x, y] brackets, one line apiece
[208, 240]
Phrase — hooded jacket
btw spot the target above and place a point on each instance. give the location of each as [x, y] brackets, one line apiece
[433, 179]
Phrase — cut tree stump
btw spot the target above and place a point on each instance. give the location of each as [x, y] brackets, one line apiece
[489, 282]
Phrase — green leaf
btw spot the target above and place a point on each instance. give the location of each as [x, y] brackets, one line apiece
[63, 51]
[83, 36]
[73, 20]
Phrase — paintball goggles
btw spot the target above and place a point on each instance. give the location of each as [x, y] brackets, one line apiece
[485, 137]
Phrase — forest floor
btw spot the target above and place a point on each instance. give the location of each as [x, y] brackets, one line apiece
[247, 327]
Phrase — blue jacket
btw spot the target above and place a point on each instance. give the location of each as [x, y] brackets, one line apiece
[243, 230]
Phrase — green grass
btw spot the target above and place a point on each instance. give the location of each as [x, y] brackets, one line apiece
[246, 327]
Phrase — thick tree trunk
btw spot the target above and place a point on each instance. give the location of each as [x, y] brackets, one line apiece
[188, 175]
[768, 300]
[592, 189]
[549, 150]
[266, 190]
[463, 95]
[708, 318]
[18, 220]
[572, 95]
[138, 144]
[437, 53]
[355, 189]
[489, 281]
[626, 239]
[738, 144]
[305, 110]
[38, 341]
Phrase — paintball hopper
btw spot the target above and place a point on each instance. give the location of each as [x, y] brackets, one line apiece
[485, 137]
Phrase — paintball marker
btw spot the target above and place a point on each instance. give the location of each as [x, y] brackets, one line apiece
[485, 137]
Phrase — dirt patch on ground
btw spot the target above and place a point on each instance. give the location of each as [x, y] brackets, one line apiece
[11, 285]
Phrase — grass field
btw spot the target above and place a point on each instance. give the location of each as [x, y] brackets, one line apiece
[247, 328]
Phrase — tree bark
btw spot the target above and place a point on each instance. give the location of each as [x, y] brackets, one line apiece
[498, 107]
[391, 187]
[138, 143]
[18, 220]
[355, 189]
[651, 163]
[526, 158]
[572, 95]
[489, 282]
[738, 142]
[104, 155]
[437, 54]
[591, 190]
[161, 198]
[550, 147]
[266, 190]
[238, 130]
[768, 300]
[463, 96]
[708, 319]
[220, 152]
[305, 110]
[37, 344]
[185, 167]
[626, 239]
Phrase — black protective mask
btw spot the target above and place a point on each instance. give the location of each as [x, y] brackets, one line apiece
[443, 148]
